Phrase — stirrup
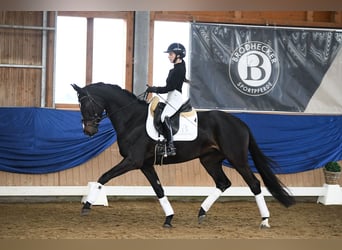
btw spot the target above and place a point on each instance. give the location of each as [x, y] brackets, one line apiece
[171, 150]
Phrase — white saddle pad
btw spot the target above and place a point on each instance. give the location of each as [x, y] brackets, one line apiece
[187, 124]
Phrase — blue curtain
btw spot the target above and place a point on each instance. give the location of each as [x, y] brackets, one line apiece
[39, 140]
[297, 143]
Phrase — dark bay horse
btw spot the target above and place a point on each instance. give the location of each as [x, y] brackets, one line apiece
[220, 136]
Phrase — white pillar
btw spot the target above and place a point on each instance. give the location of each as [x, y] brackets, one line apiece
[332, 195]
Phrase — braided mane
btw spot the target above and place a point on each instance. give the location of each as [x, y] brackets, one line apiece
[115, 88]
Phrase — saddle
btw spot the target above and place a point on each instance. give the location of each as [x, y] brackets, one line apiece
[157, 108]
[183, 122]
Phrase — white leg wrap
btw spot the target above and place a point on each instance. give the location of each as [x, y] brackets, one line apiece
[94, 192]
[262, 206]
[209, 201]
[165, 204]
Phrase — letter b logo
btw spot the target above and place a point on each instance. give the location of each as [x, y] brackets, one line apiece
[254, 68]
[254, 73]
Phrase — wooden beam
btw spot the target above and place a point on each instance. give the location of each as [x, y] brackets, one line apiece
[89, 53]
[284, 18]
[50, 60]
[151, 45]
[310, 16]
[337, 17]
[238, 14]
[129, 50]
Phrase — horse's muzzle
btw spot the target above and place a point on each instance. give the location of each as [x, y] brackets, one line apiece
[90, 129]
[90, 132]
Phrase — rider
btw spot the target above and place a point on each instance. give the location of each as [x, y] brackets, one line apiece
[173, 88]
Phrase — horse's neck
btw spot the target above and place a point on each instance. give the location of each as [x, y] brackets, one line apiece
[126, 115]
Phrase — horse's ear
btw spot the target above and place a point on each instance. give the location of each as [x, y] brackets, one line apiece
[77, 88]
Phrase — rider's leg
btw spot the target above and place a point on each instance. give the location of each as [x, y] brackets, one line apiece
[173, 103]
[167, 129]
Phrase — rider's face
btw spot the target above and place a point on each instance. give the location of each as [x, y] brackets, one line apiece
[172, 56]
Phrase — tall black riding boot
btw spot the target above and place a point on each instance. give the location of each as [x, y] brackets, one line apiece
[170, 148]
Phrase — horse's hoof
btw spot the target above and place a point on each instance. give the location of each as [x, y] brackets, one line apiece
[264, 224]
[201, 215]
[201, 218]
[167, 225]
[167, 222]
[85, 211]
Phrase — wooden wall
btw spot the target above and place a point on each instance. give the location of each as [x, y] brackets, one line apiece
[186, 174]
[275, 18]
[19, 86]
[22, 87]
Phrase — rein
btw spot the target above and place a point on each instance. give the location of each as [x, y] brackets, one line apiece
[98, 119]
[144, 94]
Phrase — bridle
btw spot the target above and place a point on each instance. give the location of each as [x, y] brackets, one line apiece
[95, 120]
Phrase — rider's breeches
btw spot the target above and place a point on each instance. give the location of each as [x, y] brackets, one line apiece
[173, 102]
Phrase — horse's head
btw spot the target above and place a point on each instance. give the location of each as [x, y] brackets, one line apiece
[91, 109]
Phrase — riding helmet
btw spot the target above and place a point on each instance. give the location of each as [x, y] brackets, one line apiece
[177, 48]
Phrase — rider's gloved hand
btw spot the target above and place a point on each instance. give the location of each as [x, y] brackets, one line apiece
[151, 89]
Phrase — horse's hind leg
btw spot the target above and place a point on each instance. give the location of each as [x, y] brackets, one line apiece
[254, 185]
[213, 164]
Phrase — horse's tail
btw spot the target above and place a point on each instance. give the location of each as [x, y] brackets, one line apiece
[264, 166]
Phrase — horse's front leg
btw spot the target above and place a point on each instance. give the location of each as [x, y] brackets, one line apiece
[91, 198]
[213, 164]
[124, 166]
[153, 178]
